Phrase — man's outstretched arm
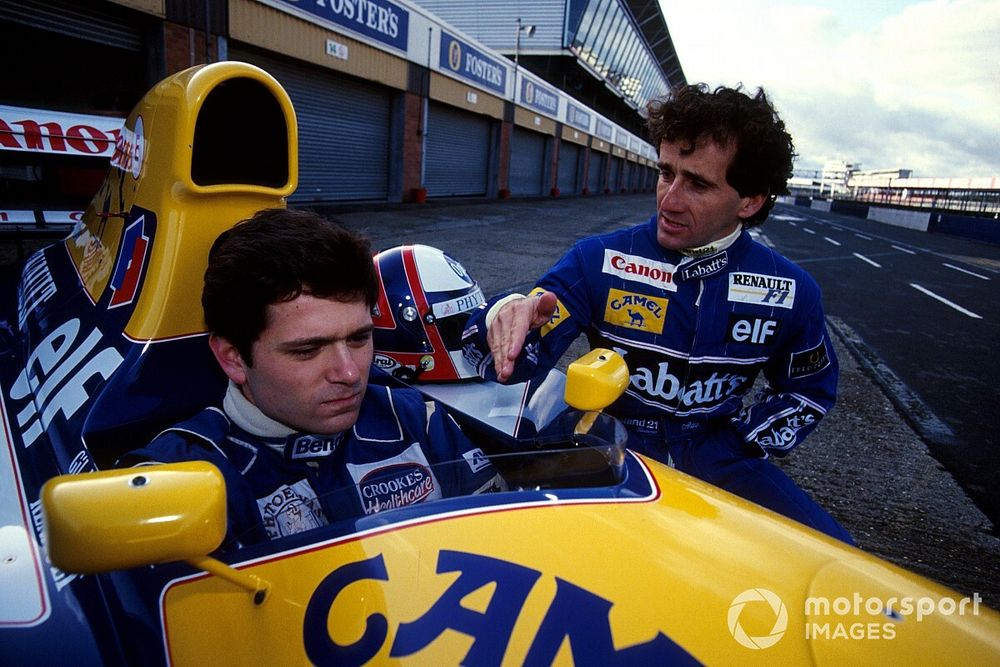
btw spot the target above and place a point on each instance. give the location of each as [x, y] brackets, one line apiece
[508, 323]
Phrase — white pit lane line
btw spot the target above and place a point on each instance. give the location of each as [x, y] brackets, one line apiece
[862, 236]
[945, 301]
[906, 250]
[829, 240]
[870, 261]
[966, 271]
[808, 231]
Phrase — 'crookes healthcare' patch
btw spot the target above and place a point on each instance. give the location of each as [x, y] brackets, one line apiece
[635, 311]
[764, 290]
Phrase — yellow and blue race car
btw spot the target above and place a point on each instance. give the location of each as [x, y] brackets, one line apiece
[595, 555]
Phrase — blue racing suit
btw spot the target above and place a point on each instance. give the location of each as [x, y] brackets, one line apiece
[695, 333]
[280, 486]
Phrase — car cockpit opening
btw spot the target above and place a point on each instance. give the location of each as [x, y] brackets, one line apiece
[240, 137]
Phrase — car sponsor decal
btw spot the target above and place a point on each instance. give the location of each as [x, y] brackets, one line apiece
[131, 261]
[130, 149]
[58, 375]
[635, 311]
[703, 268]
[754, 330]
[559, 315]
[809, 362]
[639, 269]
[575, 616]
[36, 287]
[761, 289]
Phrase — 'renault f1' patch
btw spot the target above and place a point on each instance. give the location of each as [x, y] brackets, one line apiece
[809, 362]
[635, 311]
[761, 289]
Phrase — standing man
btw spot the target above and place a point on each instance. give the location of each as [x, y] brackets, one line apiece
[695, 306]
[301, 438]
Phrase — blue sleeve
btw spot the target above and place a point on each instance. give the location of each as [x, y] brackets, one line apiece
[802, 385]
[460, 465]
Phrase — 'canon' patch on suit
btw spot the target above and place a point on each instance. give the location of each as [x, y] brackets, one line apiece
[635, 311]
[639, 269]
[753, 330]
[761, 289]
[808, 362]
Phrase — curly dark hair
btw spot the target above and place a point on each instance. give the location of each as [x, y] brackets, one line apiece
[764, 150]
[275, 256]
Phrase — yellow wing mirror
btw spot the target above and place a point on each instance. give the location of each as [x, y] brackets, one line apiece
[596, 380]
[117, 519]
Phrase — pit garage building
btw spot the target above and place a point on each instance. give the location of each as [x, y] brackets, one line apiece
[396, 100]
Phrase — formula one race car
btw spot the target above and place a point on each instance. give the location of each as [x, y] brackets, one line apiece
[595, 555]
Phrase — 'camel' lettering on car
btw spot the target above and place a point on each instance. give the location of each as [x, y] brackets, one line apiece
[575, 615]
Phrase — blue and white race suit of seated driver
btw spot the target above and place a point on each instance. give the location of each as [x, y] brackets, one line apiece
[696, 330]
[280, 482]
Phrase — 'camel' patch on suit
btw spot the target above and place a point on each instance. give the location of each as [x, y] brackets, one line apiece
[635, 311]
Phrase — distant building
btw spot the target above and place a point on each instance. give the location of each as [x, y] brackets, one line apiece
[611, 55]
[899, 188]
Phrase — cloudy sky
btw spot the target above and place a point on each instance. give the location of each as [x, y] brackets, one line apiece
[887, 83]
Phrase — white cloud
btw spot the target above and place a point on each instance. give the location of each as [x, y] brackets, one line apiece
[919, 88]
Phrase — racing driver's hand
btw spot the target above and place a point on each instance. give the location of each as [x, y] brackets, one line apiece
[511, 325]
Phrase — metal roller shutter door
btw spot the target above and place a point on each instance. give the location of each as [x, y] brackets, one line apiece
[615, 175]
[527, 163]
[83, 22]
[569, 161]
[595, 171]
[343, 131]
[628, 173]
[458, 151]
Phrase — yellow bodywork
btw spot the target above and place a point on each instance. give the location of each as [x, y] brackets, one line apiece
[675, 564]
[152, 170]
[568, 580]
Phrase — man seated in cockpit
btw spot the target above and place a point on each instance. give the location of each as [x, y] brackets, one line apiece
[287, 300]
